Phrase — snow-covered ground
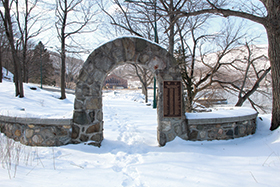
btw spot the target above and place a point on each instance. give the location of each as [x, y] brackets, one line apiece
[130, 155]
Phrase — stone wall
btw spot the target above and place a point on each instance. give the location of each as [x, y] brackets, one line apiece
[221, 128]
[56, 132]
[36, 131]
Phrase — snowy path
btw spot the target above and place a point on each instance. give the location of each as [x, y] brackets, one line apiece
[125, 123]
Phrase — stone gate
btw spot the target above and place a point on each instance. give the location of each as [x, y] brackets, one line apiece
[87, 122]
[88, 116]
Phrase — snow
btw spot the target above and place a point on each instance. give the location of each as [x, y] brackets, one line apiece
[130, 155]
[36, 103]
[222, 112]
[7, 75]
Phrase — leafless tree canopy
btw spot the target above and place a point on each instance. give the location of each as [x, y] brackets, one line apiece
[73, 17]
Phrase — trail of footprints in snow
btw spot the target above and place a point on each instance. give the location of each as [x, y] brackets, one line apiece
[127, 161]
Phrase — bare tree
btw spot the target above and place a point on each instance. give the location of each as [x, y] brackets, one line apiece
[81, 15]
[73, 67]
[134, 17]
[138, 18]
[26, 21]
[3, 46]
[253, 69]
[7, 19]
[264, 12]
[200, 65]
[167, 8]
[146, 78]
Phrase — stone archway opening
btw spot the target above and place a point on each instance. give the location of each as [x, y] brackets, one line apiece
[127, 117]
[88, 114]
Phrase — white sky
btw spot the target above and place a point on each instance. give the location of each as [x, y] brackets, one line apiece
[91, 40]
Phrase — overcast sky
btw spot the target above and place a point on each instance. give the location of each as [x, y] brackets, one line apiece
[102, 31]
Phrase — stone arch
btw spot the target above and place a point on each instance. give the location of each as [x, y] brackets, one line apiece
[88, 116]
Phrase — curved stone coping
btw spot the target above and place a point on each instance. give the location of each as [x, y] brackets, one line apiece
[37, 131]
[200, 121]
[222, 115]
[221, 124]
[37, 121]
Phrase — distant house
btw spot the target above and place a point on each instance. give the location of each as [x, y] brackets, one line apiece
[114, 81]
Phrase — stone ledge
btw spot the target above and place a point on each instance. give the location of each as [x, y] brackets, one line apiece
[204, 121]
[37, 131]
[38, 121]
[227, 124]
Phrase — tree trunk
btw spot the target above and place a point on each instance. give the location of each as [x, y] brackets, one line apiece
[24, 65]
[10, 36]
[274, 56]
[145, 85]
[25, 40]
[189, 106]
[272, 27]
[1, 73]
[21, 94]
[172, 32]
[63, 55]
[24, 61]
[17, 73]
[145, 92]
[240, 101]
[63, 76]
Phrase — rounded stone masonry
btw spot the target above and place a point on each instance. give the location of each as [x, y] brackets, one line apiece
[221, 124]
[88, 116]
[36, 131]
